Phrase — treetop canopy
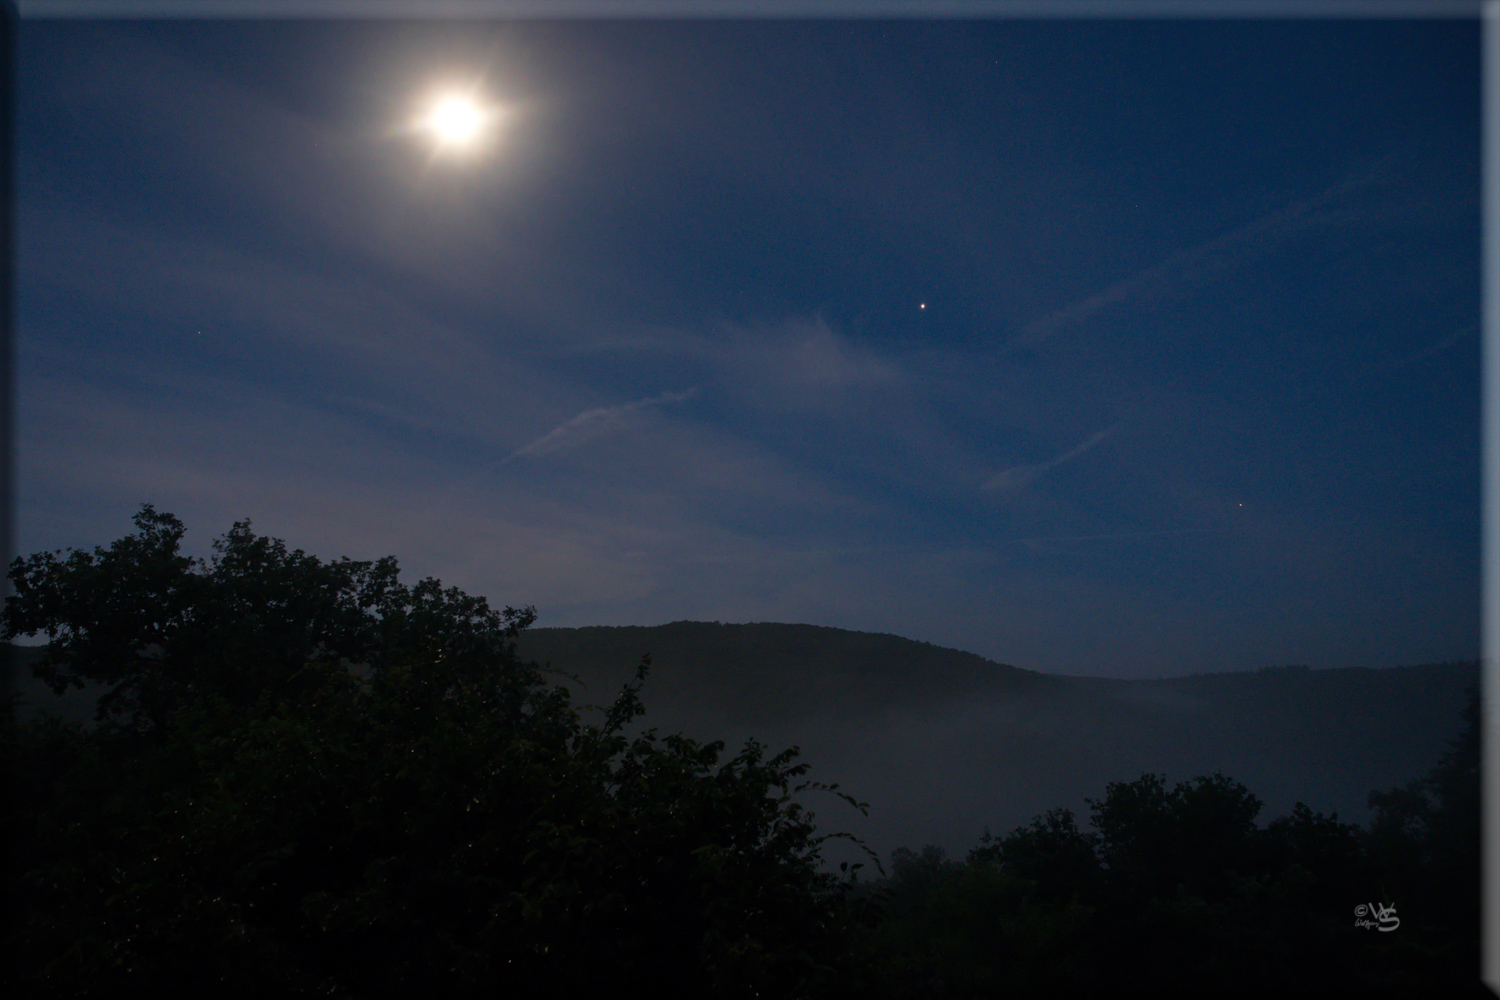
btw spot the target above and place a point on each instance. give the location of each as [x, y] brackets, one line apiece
[153, 624]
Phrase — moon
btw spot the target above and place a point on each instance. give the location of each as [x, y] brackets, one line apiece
[456, 121]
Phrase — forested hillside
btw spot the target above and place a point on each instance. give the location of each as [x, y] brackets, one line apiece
[312, 779]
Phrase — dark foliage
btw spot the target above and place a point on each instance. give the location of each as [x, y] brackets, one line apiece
[1177, 892]
[308, 778]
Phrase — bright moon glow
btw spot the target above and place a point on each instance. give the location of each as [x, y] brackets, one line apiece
[456, 121]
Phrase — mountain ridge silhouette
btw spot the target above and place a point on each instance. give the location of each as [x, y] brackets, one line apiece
[943, 743]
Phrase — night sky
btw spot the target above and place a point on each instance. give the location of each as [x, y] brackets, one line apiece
[1130, 349]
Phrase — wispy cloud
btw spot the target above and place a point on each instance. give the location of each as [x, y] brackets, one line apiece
[1431, 350]
[807, 365]
[1044, 542]
[1022, 476]
[797, 363]
[1250, 240]
[596, 423]
[817, 354]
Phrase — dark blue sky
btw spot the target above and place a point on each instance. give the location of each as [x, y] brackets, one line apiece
[1195, 386]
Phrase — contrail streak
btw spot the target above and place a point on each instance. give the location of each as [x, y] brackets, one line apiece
[591, 423]
[1025, 475]
[1187, 263]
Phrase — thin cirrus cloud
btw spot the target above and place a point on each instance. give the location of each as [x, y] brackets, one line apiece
[1053, 543]
[592, 424]
[797, 363]
[1021, 476]
[1430, 351]
[1255, 238]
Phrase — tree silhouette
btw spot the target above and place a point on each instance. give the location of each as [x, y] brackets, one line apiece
[1424, 850]
[1175, 891]
[309, 778]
